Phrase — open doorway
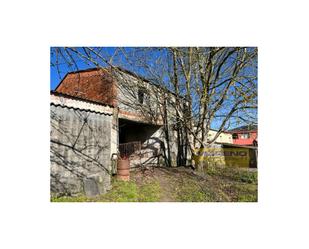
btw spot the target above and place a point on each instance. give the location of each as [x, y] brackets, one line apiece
[132, 133]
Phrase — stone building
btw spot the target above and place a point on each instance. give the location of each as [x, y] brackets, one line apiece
[81, 139]
[99, 113]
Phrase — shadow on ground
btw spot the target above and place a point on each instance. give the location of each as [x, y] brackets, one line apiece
[161, 184]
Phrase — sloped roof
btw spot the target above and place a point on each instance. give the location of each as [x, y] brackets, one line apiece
[68, 96]
[108, 70]
[244, 128]
[93, 84]
[76, 103]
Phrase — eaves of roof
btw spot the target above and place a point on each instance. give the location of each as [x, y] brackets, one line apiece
[79, 98]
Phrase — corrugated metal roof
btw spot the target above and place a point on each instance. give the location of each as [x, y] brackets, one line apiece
[71, 102]
[244, 128]
[78, 98]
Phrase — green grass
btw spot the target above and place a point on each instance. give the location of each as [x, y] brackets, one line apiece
[150, 192]
[246, 192]
[71, 199]
[247, 198]
[217, 185]
[235, 174]
[122, 191]
[189, 191]
[240, 184]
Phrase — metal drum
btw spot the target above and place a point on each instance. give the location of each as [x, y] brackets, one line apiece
[123, 169]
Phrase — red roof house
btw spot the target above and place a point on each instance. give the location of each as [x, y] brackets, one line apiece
[245, 135]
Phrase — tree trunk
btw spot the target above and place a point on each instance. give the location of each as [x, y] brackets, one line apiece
[166, 132]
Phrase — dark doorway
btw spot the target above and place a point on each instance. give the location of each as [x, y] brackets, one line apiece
[130, 131]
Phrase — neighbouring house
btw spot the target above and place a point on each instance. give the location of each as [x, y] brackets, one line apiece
[245, 135]
[224, 137]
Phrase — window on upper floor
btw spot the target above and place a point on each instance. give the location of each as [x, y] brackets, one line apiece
[143, 96]
[235, 136]
[244, 135]
[140, 95]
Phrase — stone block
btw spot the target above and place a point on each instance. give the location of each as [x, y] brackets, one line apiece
[90, 187]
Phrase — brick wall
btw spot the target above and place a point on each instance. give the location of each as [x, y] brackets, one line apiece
[96, 85]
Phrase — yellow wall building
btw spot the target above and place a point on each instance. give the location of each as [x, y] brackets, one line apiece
[223, 137]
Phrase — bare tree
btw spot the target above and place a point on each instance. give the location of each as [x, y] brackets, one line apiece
[201, 88]
[220, 86]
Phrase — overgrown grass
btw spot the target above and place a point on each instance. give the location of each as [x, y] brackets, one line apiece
[122, 191]
[149, 192]
[219, 184]
[246, 192]
[71, 199]
[235, 174]
[190, 192]
[240, 184]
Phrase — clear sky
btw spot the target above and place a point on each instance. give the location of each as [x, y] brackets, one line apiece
[63, 61]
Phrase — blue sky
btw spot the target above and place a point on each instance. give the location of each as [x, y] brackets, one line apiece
[62, 62]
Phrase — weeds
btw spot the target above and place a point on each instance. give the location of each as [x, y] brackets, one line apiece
[150, 192]
[71, 199]
[122, 191]
[219, 184]
[234, 174]
[190, 191]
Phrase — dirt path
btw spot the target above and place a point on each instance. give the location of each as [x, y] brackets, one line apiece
[171, 180]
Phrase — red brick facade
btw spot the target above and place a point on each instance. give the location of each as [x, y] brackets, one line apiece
[93, 84]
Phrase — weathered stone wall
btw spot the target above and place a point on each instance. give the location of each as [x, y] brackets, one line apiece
[130, 107]
[80, 151]
[154, 146]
